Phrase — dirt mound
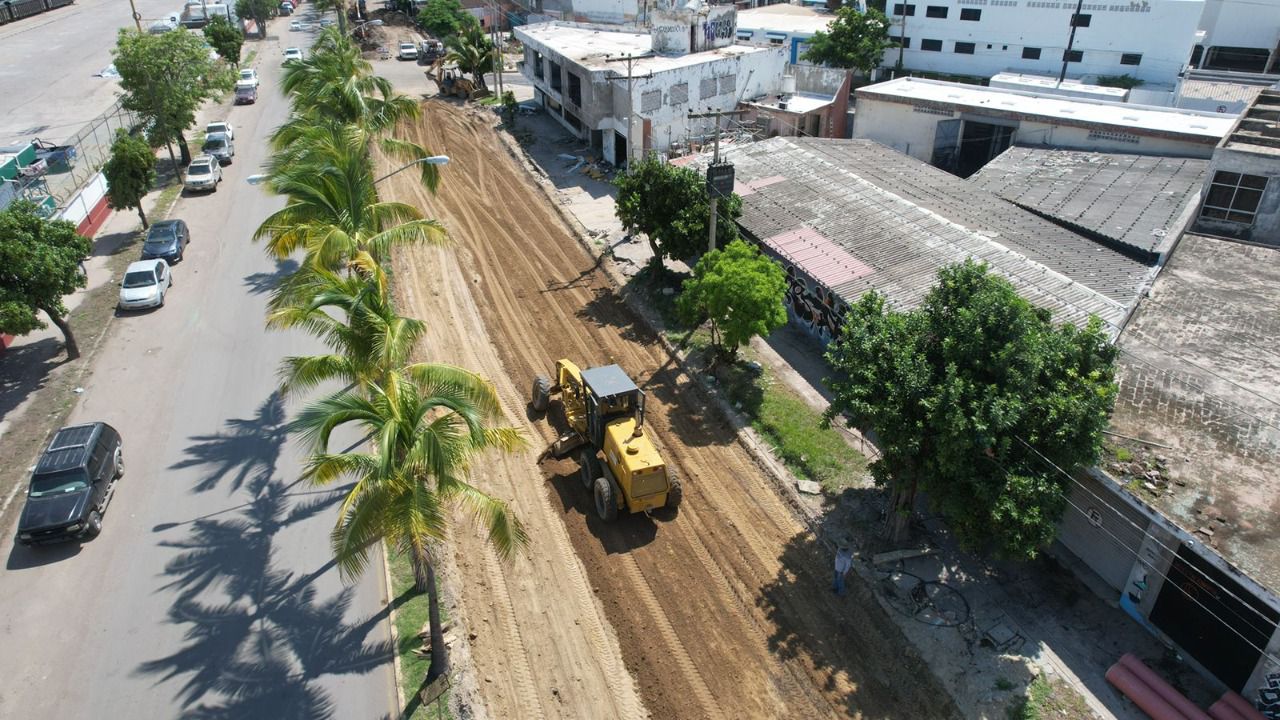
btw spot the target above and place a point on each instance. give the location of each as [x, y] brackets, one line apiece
[724, 610]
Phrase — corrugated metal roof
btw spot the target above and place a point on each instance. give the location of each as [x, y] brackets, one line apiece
[859, 216]
[1135, 200]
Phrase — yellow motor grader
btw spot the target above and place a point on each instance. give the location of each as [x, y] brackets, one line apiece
[604, 412]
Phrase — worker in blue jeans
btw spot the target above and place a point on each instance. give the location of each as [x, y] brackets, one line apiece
[844, 562]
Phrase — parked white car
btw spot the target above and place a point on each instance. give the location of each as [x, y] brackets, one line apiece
[292, 54]
[408, 51]
[145, 284]
[221, 126]
[203, 174]
[248, 75]
[295, 25]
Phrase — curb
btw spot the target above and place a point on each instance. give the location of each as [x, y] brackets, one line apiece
[387, 590]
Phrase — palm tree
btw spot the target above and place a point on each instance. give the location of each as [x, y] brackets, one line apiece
[473, 53]
[427, 424]
[333, 213]
[335, 84]
[369, 342]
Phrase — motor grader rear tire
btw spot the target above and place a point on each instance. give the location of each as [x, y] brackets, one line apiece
[606, 500]
[590, 469]
[541, 393]
[675, 493]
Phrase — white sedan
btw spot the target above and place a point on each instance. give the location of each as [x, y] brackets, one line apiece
[295, 25]
[292, 54]
[221, 126]
[247, 76]
[145, 284]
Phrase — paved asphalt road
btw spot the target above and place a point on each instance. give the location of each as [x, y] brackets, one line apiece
[209, 593]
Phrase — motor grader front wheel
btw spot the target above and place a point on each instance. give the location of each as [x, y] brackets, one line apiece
[606, 500]
[541, 396]
[590, 467]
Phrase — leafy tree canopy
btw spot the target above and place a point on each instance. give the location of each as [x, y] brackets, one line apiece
[166, 78]
[473, 52]
[740, 291]
[39, 264]
[446, 19]
[225, 38]
[130, 173]
[670, 205]
[854, 40]
[954, 389]
[262, 10]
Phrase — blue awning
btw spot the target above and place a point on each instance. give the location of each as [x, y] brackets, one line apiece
[745, 34]
[776, 35]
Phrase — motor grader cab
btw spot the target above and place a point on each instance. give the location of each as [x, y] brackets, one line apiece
[604, 412]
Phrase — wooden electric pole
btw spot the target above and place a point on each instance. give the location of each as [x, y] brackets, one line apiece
[715, 160]
[1071, 39]
[631, 106]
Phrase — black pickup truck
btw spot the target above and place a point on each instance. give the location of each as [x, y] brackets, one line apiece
[72, 484]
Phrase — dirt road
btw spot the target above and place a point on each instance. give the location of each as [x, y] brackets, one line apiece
[723, 611]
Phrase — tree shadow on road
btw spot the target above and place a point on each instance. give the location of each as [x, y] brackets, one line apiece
[260, 647]
[264, 282]
[856, 651]
[246, 451]
[24, 369]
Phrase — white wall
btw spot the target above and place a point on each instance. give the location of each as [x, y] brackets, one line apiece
[601, 11]
[1161, 31]
[1241, 23]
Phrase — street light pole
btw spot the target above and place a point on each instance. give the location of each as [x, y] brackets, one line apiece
[258, 178]
[137, 17]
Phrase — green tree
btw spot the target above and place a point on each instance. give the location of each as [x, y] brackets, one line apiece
[165, 79]
[739, 291]
[39, 265]
[130, 173]
[671, 206]
[853, 40]
[510, 109]
[473, 53]
[446, 19]
[955, 388]
[428, 424]
[260, 11]
[225, 38]
[336, 85]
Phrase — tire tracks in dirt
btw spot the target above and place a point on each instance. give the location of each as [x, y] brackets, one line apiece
[723, 609]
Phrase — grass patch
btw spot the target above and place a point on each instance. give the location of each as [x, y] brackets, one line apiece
[1123, 454]
[489, 100]
[411, 618]
[1047, 699]
[249, 58]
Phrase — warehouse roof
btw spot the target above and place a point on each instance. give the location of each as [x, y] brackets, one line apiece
[787, 18]
[1141, 119]
[858, 216]
[1135, 200]
[1197, 373]
[592, 47]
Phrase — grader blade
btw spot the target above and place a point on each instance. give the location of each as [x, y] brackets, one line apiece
[566, 444]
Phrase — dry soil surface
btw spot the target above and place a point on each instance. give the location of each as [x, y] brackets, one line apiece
[722, 611]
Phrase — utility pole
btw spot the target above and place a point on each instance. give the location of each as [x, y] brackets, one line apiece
[137, 17]
[1071, 39]
[715, 161]
[496, 39]
[902, 35]
[631, 106]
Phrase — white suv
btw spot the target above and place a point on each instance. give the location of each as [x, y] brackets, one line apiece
[408, 51]
[203, 174]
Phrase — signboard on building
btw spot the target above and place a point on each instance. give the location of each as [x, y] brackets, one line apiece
[720, 179]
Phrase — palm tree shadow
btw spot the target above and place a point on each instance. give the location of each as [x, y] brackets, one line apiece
[246, 452]
[264, 282]
[260, 650]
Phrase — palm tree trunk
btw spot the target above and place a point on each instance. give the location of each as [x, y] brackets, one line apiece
[73, 348]
[424, 576]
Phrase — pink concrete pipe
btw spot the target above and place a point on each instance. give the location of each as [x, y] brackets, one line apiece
[1222, 710]
[1241, 706]
[1142, 695]
[1188, 709]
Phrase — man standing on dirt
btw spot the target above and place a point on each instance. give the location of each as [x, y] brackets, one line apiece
[844, 561]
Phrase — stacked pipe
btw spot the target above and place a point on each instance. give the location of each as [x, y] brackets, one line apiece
[1233, 707]
[1151, 693]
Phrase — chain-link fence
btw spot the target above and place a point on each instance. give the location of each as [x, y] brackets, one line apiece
[93, 146]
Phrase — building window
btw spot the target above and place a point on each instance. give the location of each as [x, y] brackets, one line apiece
[678, 94]
[973, 14]
[537, 65]
[1081, 19]
[575, 89]
[775, 41]
[964, 48]
[902, 42]
[553, 69]
[1233, 197]
[901, 9]
[1130, 58]
[931, 45]
[935, 11]
[1073, 55]
[1030, 53]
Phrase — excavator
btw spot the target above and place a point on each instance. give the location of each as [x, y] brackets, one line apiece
[604, 414]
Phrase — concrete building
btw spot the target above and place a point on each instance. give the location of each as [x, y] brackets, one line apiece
[685, 64]
[813, 102]
[1148, 39]
[1239, 35]
[782, 25]
[960, 127]
[1242, 192]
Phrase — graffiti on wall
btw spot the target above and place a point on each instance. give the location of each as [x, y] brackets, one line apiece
[1269, 696]
[725, 26]
[813, 306]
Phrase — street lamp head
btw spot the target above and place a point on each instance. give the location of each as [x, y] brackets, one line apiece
[436, 160]
[256, 179]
